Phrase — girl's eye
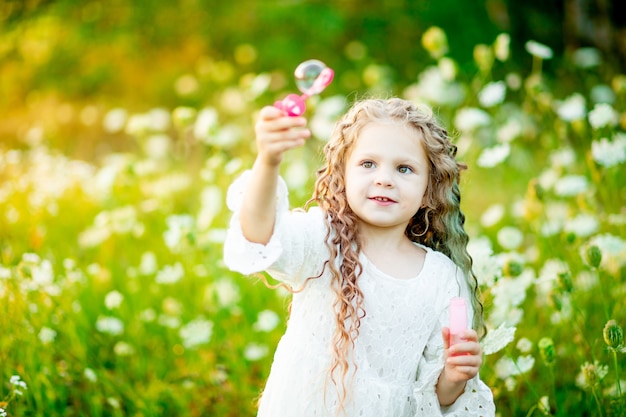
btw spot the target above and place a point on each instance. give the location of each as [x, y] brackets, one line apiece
[405, 170]
[367, 164]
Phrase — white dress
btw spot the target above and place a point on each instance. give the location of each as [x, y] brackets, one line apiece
[399, 350]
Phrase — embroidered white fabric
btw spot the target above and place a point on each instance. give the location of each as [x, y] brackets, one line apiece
[399, 351]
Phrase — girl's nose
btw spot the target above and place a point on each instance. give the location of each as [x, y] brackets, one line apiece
[384, 179]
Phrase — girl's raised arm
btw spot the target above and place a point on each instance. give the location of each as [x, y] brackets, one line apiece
[276, 133]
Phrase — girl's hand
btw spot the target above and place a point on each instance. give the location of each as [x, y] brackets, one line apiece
[276, 133]
[463, 359]
[461, 363]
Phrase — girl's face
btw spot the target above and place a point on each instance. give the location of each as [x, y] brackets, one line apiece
[387, 173]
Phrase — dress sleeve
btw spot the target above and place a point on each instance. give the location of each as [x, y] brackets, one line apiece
[477, 399]
[293, 250]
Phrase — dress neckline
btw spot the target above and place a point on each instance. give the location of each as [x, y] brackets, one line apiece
[370, 264]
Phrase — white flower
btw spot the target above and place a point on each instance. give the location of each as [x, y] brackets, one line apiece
[227, 136]
[510, 130]
[524, 345]
[492, 215]
[563, 157]
[602, 115]
[587, 57]
[469, 118]
[114, 120]
[510, 237]
[178, 228]
[211, 201]
[159, 119]
[571, 185]
[170, 274]
[582, 225]
[434, 88]
[492, 94]
[196, 332]
[227, 292]
[507, 367]
[267, 321]
[113, 299]
[485, 265]
[157, 146]
[613, 251]
[47, 335]
[326, 113]
[539, 50]
[255, 351]
[493, 156]
[122, 348]
[18, 385]
[110, 325]
[602, 93]
[502, 46]
[573, 108]
[609, 153]
[206, 124]
[90, 375]
[148, 264]
[498, 339]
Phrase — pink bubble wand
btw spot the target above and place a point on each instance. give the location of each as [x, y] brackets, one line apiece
[312, 77]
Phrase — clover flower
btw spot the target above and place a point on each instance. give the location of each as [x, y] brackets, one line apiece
[591, 374]
[539, 50]
[546, 350]
[593, 256]
[613, 335]
[470, 118]
[609, 153]
[46, 335]
[492, 94]
[267, 320]
[110, 325]
[572, 108]
[490, 157]
[571, 185]
[197, 332]
[602, 115]
[18, 385]
[170, 274]
[113, 299]
[255, 351]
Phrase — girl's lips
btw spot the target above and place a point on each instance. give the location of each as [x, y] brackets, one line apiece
[382, 200]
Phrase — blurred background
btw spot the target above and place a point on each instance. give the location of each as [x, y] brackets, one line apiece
[122, 124]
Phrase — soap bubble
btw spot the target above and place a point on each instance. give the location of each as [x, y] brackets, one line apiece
[312, 76]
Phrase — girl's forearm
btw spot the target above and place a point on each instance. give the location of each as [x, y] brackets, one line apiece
[258, 209]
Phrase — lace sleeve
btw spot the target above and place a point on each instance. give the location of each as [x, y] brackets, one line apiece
[477, 399]
[293, 250]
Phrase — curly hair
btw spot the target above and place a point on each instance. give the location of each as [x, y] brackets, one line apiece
[439, 224]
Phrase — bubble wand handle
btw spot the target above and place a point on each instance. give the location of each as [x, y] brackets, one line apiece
[314, 72]
[458, 319]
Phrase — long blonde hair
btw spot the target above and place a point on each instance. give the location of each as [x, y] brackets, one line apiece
[439, 224]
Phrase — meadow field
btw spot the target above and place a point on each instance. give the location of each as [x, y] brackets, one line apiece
[114, 300]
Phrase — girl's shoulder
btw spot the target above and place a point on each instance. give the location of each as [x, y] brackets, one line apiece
[436, 257]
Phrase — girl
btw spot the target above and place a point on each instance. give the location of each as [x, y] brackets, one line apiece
[372, 268]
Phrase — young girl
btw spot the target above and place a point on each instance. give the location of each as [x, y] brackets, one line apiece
[372, 268]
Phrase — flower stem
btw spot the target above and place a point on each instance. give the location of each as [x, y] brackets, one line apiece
[617, 381]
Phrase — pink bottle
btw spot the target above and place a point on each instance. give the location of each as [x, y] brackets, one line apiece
[458, 319]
